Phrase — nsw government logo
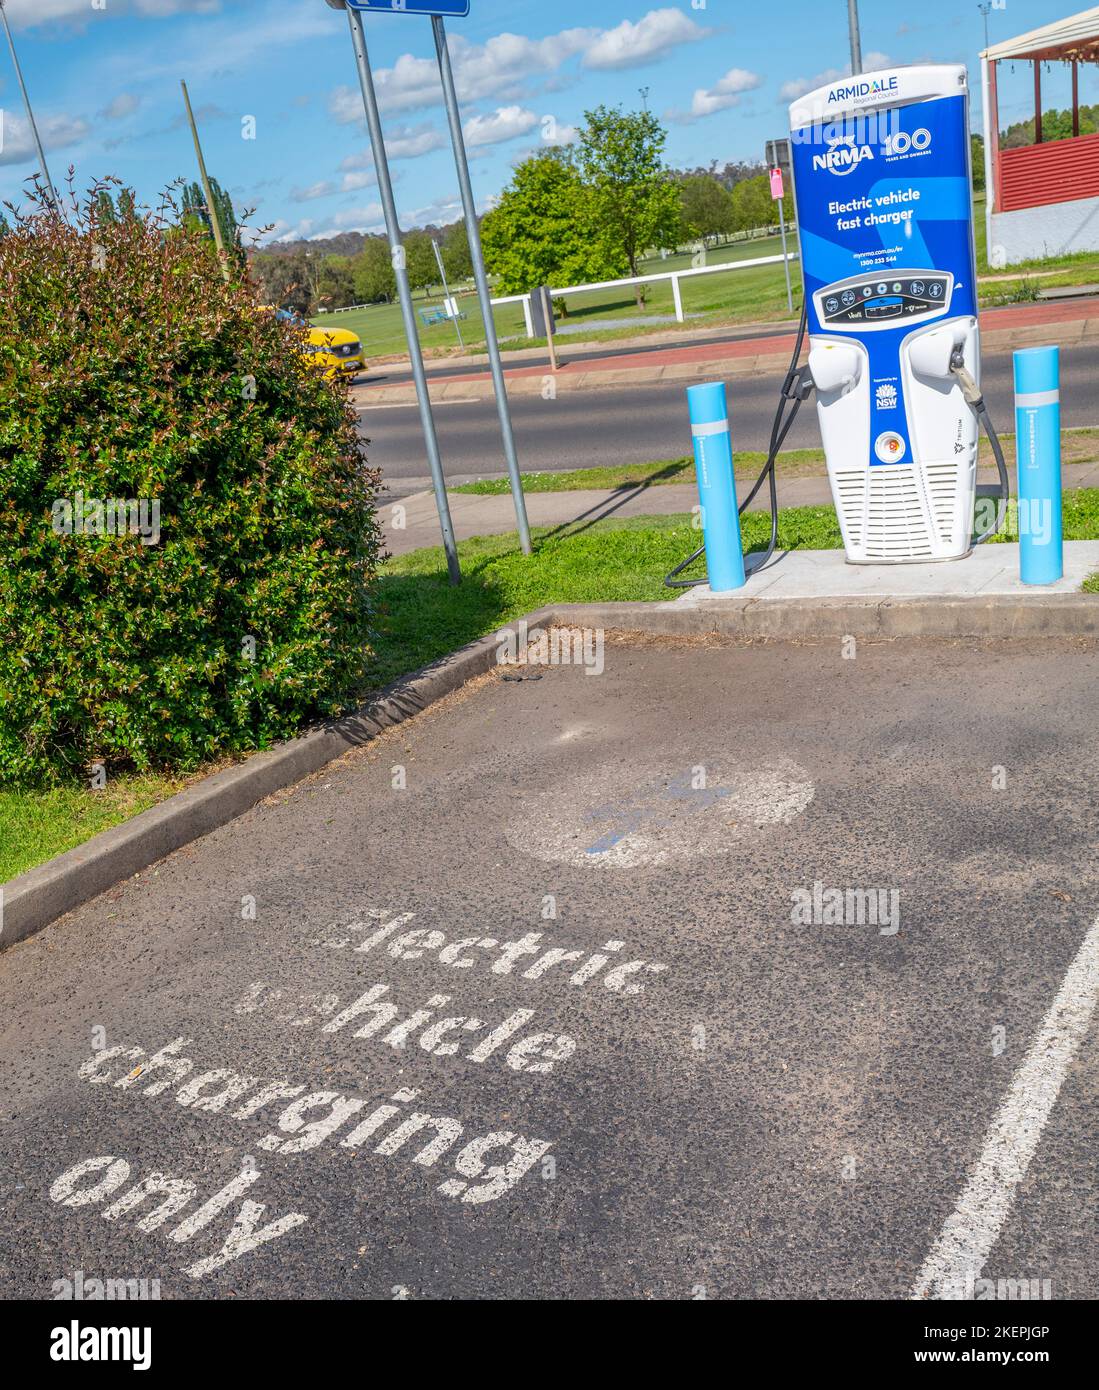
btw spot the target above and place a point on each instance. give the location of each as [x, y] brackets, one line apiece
[886, 395]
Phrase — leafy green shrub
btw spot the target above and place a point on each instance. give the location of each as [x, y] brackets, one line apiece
[130, 370]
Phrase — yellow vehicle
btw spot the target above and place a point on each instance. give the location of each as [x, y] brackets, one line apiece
[335, 351]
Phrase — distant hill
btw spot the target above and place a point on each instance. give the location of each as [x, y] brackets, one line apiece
[339, 244]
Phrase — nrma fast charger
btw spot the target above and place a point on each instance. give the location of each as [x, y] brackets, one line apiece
[882, 182]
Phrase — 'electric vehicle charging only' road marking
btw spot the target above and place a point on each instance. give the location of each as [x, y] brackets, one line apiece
[974, 1226]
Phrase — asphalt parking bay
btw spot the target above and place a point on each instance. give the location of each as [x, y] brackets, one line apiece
[737, 970]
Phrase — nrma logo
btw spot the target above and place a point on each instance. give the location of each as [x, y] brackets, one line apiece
[842, 156]
[853, 91]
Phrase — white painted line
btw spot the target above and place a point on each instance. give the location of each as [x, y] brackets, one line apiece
[974, 1226]
[411, 405]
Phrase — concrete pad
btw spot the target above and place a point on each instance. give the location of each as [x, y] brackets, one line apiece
[822, 574]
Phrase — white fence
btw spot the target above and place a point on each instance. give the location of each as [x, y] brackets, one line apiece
[673, 275]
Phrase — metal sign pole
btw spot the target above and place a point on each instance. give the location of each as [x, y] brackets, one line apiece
[778, 194]
[451, 304]
[51, 192]
[856, 37]
[785, 256]
[547, 314]
[470, 210]
[211, 211]
[404, 293]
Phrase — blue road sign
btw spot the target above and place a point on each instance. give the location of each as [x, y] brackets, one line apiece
[449, 9]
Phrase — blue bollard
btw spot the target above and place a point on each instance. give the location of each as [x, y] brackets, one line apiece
[1038, 455]
[716, 489]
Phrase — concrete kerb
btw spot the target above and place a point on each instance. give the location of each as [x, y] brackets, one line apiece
[34, 899]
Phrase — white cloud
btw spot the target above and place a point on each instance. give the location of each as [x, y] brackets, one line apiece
[499, 68]
[365, 219]
[439, 213]
[629, 45]
[726, 92]
[505, 123]
[798, 86]
[502, 69]
[409, 142]
[323, 189]
[362, 178]
[25, 13]
[56, 132]
[225, 43]
[558, 133]
[125, 104]
[401, 142]
[791, 91]
[360, 219]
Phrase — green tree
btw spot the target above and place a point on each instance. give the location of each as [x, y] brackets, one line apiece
[632, 202]
[423, 272]
[372, 272]
[539, 232]
[977, 156]
[283, 279]
[336, 282]
[455, 249]
[752, 204]
[196, 213]
[1056, 125]
[705, 207]
[226, 215]
[103, 208]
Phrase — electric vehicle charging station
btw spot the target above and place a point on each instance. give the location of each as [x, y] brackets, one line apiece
[882, 184]
[883, 190]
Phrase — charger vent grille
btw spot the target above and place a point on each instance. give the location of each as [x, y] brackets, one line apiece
[849, 491]
[896, 522]
[942, 493]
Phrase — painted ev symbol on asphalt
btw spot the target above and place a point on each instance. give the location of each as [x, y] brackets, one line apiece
[613, 819]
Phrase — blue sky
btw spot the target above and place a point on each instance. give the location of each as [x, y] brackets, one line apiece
[104, 79]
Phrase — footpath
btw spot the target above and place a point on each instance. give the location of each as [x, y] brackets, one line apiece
[414, 523]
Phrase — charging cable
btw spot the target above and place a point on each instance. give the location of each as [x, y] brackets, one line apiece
[974, 398]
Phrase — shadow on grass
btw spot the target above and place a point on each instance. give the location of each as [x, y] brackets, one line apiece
[423, 617]
[587, 311]
[620, 495]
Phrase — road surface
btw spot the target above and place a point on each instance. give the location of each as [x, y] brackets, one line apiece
[548, 994]
[640, 424]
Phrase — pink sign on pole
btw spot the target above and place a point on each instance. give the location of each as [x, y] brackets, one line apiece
[777, 190]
